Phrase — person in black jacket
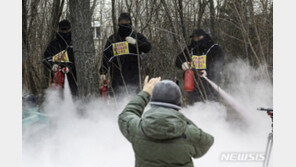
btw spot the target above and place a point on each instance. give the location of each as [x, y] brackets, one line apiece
[121, 54]
[59, 54]
[206, 58]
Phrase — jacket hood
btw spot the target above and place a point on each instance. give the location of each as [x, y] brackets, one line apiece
[204, 43]
[163, 123]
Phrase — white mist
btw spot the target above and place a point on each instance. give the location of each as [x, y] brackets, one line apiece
[94, 139]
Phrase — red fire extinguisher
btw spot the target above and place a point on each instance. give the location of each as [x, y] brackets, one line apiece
[103, 89]
[189, 80]
[58, 78]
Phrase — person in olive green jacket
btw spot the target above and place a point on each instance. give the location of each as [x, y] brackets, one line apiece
[162, 136]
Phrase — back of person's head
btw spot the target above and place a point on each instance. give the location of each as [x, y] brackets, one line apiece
[167, 93]
[64, 25]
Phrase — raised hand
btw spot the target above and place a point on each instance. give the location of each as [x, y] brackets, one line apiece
[149, 84]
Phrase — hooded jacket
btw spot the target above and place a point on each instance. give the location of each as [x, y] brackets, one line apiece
[60, 43]
[214, 63]
[215, 55]
[126, 64]
[162, 136]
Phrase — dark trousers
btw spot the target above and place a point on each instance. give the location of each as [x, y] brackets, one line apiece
[72, 84]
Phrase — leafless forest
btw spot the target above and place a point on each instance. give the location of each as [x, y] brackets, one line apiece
[243, 29]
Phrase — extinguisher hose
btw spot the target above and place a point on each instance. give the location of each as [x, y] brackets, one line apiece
[230, 100]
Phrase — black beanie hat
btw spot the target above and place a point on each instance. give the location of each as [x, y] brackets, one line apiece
[168, 94]
[198, 33]
[125, 16]
[64, 25]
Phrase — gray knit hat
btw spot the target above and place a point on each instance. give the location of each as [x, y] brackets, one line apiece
[167, 93]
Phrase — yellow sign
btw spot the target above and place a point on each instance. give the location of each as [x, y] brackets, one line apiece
[120, 48]
[61, 57]
[199, 62]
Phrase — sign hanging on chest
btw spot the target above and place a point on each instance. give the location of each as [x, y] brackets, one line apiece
[120, 48]
[199, 62]
[61, 57]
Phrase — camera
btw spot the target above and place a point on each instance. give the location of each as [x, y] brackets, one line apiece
[268, 110]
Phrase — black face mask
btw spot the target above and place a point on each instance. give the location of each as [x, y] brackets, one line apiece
[65, 36]
[204, 43]
[194, 43]
[201, 43]
[124, 30]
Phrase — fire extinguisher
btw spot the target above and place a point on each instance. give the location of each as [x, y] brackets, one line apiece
[189, 80]
[58, 78]
[103, 89]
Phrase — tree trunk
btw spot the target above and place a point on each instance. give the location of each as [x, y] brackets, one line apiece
[30, 67]
[83, 47]
[212, 20]
[180, 10]
[167, 11]
[114, 17]
[24, 43]
[24, 30]
[93, 7]
[201, 11]
[56, 13]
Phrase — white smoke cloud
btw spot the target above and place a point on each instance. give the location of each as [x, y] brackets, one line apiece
[93, 138]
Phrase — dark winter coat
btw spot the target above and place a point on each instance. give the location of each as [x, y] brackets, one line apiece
[60, 43]
[215, 64]
[128, 63]
[162, 137]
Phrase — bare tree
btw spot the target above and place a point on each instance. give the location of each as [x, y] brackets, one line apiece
[24, 29]
[212, 19]
[57, 10]
[180, 11]
[202, 6]
[114, 16]
[83, 47]
[243, 28]
[92, 9]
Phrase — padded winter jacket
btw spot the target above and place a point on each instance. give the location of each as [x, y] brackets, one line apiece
[162, 137]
